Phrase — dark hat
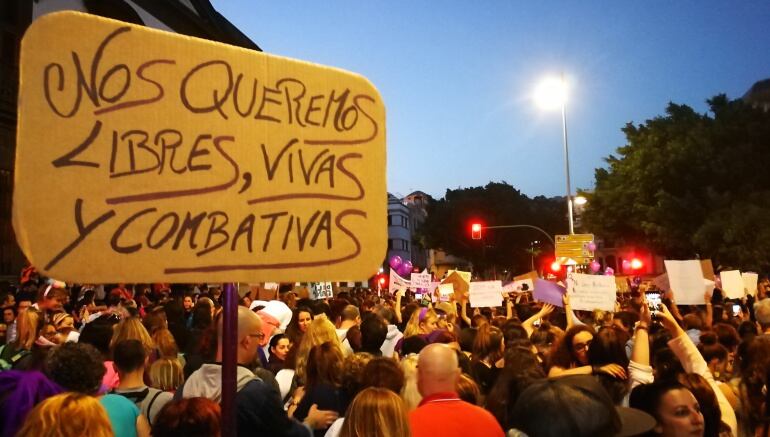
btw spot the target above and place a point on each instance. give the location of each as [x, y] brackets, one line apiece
[576, 405]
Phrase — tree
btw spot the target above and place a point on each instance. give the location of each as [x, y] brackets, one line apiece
[690, 184]
[447, 226]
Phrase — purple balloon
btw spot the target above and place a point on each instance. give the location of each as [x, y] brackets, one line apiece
[595, 266]
[592, 246]
[609, 271]
[408, 266]
[395, 262]
[403, 270]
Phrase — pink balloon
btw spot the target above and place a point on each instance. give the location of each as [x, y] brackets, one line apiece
[626, 264]
[395, 262]
[609, 271]
[592, 246]
[595, 266]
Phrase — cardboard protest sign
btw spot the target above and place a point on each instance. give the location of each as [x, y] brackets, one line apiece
[686, 280]
[445, 290]
[486, 294]
[549, 292]
[732, 284]
[396, 283]
[532, 276]
[164, 158]
[750, 280]
[708, 269]
[321, 290]
[661, 282]
[591, 292]
[460, 281]
[420, 280]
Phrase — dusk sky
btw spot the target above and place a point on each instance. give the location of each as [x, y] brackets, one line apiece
[457, 77]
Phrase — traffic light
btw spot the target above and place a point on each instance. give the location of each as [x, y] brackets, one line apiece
[636, 264]
[476, 231]
[555, 267]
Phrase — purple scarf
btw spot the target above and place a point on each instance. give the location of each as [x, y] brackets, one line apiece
[21, 391]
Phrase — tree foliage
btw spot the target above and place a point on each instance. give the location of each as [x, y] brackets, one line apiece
[447, 226]
[689, 184]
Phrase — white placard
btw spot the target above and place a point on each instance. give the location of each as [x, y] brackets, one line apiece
[321, 290]
[271, 286]
[486, 294]
[592, 292]
[686, 280]
[446, 289]
[420, 280]
[732, 283]
[750, 280]
[396, 282]
[518, 286]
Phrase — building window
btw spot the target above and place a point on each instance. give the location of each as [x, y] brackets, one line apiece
[390, 244]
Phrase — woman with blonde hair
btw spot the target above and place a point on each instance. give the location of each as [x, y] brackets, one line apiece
[68, 414]
[132, 328]
[376, 412]
[423, 322]
[320, 331]
[23, 353]
[410, 393]
[166, 374]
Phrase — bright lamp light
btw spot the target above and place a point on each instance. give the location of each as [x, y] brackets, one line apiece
[551, 93]
[580, 200]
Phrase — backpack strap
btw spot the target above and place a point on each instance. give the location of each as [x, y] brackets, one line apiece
[149, 407]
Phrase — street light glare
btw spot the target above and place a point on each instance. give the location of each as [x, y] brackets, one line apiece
[551, 93]
[580, 200]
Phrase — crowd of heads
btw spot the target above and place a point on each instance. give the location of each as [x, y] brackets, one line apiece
[367, 362]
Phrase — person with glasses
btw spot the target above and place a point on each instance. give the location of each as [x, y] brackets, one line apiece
[570, 355]
[258, 403]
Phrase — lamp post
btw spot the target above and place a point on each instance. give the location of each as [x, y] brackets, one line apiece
[551, 94]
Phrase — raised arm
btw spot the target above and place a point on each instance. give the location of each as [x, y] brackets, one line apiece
[568, 310]
[464, 310]
[529, 324]
[508, 308]
[397, 306]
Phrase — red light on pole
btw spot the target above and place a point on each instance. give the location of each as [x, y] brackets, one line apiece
[636, 264]
[555, 266]
[476, 231]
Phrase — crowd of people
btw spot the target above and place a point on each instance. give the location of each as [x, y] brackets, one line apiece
[146, 359]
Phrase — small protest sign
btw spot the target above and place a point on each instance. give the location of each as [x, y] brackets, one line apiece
[732, 284]
[686, 281]
[519, 286]
[321, 290]
[591, 292]
[549, 292]
[420, 280]
[486, 294]
[178, 159]
[750, 281]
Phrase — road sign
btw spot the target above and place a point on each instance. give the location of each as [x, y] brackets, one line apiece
[574, 247]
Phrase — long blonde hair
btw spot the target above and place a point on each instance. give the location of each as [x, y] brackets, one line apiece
[376, 412]
[410, 393]
[413, 326]
[166, 374]
[67, 415]
[320, 331]
[165, 343]
[30, 323]
[132, 328]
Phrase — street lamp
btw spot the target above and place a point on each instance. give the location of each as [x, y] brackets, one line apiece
[551, 94]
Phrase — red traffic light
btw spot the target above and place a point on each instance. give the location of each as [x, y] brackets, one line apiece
[555, 266]
[476, 231]
[636, 264]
